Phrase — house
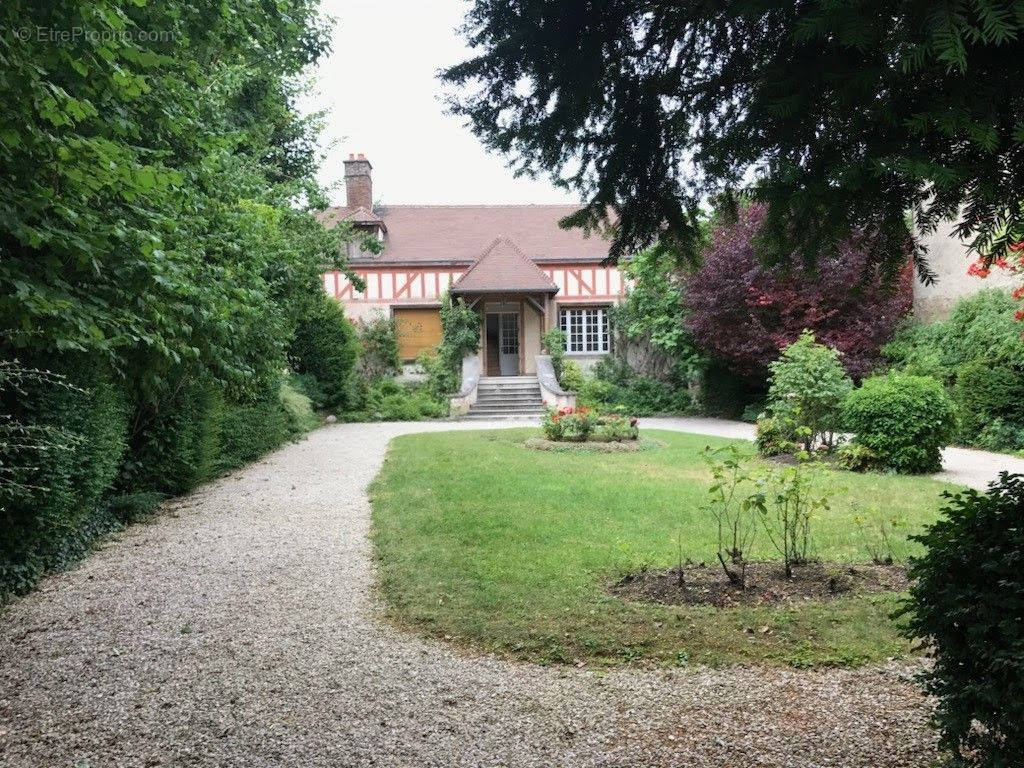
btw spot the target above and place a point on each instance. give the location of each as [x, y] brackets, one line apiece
[512, 263]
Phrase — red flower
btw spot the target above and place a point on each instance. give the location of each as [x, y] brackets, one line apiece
[1017, 247]
[1019, 314]
[1018, 293]
[978, 269]
[1002, 263]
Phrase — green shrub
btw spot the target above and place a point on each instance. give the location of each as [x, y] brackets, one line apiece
[616, 386]
[903, 420]
[612, 428]
[984, 391]
[980, 326]
[298, 409]
[56, 473]
[1001, 436]
[572, 424]
[378, 349]
[775, 436]
[967, 598]
[325, 347]
[571, 379]
[460, 336]
[176, 445]
[808, 386]
[389, 400]
[249, 430]
[552, 425]
[553, 342]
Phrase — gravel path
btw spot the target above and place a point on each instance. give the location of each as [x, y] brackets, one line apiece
[239, 629]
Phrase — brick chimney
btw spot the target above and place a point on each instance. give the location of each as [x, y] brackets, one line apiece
[358, 186]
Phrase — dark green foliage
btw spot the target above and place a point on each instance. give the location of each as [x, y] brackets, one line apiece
[614, 385]
[967, 601]
[149, 222]
[985, 391]
[903, 420]
[978, 354]
[175, 445]
[1001, 436]
[980, 327]
[326, 348]
[249, 430]
[841, 116]
[724, 394]
[50, 502]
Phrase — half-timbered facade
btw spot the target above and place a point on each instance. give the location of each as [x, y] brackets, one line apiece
[522, 272]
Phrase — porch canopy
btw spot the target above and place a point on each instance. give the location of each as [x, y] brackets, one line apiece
[502, 268]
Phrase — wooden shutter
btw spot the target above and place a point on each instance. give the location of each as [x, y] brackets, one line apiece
[418, 329]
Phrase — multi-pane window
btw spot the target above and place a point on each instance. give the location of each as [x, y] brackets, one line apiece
[585, 329]
[509, 333]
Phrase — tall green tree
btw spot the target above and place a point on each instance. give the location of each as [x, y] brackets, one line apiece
[157, 183]
[840, 115]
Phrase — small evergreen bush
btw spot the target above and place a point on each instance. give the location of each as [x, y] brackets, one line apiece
[903, 420]
[967, 602]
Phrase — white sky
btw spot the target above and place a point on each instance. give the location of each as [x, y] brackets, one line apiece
[380, 86]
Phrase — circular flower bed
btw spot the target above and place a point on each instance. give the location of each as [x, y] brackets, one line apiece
[583, 425]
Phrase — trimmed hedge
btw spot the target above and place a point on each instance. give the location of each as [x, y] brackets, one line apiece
[967, 598]
[903, 420]
[326, 348]
[51, 507]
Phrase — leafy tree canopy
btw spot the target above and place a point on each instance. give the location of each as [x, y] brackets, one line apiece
[843, 116]
[158, 183]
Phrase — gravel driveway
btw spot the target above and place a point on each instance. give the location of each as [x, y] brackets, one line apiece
[239, 629]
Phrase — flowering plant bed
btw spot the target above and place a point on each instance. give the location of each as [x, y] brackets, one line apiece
[582, 425]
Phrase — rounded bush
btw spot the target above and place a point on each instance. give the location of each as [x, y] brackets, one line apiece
[903, 420]
[967, 599]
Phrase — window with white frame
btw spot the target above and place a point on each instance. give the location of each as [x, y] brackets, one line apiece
[585, 329]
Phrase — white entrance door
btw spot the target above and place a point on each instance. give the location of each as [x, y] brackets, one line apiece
[508, 343]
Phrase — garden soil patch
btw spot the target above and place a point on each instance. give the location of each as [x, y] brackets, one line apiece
[766, 584]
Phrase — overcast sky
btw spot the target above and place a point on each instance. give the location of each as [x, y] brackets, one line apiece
[381, 88]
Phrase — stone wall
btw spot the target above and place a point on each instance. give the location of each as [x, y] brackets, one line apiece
[949, 259]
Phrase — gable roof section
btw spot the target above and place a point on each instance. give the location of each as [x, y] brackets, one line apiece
[456, 234]
[503, 268]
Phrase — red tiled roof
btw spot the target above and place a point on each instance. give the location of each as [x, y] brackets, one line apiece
[456, 234]
[501, 268]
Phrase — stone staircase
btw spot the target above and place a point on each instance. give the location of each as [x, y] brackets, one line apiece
[507, 397]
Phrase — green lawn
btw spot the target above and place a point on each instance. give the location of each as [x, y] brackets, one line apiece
[486, 542]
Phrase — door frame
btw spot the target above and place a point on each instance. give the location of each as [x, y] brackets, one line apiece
[508, 308]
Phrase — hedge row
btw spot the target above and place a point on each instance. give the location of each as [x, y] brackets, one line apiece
[98, 460]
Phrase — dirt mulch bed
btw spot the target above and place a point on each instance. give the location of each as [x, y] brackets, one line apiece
[766, 584]
[626, 446]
